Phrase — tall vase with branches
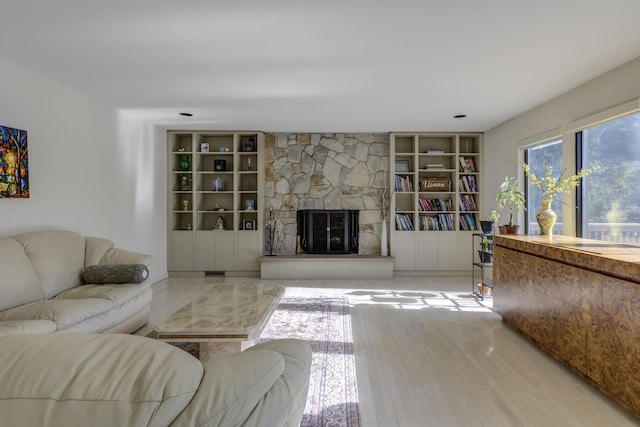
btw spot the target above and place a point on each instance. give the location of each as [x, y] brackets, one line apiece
[384, 203]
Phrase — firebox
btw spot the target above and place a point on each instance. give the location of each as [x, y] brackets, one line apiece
[328, 231]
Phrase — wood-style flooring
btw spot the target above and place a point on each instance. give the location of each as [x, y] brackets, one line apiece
[429, 354]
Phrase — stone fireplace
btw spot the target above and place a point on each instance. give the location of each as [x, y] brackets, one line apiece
[336, 171]
[328, 231]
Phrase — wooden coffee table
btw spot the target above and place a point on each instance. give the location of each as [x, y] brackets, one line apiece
[225, 319]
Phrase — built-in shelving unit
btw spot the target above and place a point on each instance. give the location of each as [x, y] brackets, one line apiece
[215, 200]
[436, 203]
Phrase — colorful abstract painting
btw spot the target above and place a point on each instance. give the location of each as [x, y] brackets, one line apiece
[14, 163]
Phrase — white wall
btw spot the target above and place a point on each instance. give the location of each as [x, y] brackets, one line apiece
[502, 142]
[91, 169]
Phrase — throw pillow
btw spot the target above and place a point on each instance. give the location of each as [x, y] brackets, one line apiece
[118, 273]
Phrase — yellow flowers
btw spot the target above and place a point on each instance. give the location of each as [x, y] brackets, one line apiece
[550, 185]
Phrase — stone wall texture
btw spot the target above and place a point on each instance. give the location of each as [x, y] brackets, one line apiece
[325, 171]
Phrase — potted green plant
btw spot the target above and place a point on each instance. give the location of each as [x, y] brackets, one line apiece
[510, 195]
[488, 224]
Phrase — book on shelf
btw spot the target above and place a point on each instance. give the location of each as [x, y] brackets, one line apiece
[404, 222]
[428, 205]
[404, 184]
[467, 165]
[467, 203]
[434, 150]
[435, 166]
[467, 222]
[439, 222]
[468, 184]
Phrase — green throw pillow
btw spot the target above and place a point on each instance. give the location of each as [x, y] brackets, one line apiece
[120, 273]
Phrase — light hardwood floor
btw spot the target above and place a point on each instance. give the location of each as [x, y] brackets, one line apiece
[429, 354]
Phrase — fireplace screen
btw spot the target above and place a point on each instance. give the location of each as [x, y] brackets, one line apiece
[328, 231]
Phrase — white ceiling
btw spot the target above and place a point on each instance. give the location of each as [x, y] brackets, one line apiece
[321, 66]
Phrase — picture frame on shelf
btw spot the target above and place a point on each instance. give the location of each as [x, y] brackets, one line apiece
[249, 205]
[204, 147]
[249, 145]
[402, 165]
[249, 224]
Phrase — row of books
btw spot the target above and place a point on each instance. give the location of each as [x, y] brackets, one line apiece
[467, 203]
[439, 222]
[404, 222]
[404, 184]
[467, 222]
[443, 222]
[468, 184]
[435, 204]
[467, 165]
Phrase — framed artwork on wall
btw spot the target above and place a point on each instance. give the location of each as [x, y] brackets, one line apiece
[14, 163]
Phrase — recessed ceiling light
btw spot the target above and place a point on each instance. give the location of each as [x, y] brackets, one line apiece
[459, 116]
[186, 114]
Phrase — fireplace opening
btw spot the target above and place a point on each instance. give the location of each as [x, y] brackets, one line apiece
[328, 231]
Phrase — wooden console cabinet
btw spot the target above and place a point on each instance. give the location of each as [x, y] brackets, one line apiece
[579, 299]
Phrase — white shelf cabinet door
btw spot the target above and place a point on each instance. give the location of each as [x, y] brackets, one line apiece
[438, 251]
[214, 251]
[181, 251]
[404, 250]
[247, 251]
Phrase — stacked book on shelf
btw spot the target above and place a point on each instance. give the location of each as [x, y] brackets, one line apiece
[467, 222]
[435, 205]
[440, 222]
[468, 184]
[404, 222]
[434, 150]
[467, 203]
[404, 184]
[467, 165]
[432, 166]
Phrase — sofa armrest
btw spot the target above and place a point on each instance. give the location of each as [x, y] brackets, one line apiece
[90, 379]
[261, 386]
[120, 256]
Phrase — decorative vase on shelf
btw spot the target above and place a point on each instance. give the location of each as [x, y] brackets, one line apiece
[384, 251]
[546, 218]
[185, 163]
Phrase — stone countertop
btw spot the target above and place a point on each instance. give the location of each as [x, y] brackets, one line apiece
[614, 259]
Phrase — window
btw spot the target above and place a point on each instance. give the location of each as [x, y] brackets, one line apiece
[536, 157]
[610, 196]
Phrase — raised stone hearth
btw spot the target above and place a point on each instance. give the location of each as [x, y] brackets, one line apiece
[310, 266]
[325, 171]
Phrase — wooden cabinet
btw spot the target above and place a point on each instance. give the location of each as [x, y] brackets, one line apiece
[435, 201]
[579, 299]
[215, 201]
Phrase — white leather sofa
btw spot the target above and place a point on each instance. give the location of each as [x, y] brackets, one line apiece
[42, 288]
[126, 380]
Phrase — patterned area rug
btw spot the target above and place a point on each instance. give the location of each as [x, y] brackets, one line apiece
[326, 325]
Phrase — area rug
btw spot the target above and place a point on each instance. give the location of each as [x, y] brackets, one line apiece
[326, 325]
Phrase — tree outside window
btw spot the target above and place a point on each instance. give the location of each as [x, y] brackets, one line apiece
[611, 194]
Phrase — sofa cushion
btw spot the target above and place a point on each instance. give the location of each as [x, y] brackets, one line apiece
[89, 379]
[266, 385]
[94, 250]
[117, 273]
[57, 257]
[27, 327]
[19, 284]
[63, 313]
[117, 294]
